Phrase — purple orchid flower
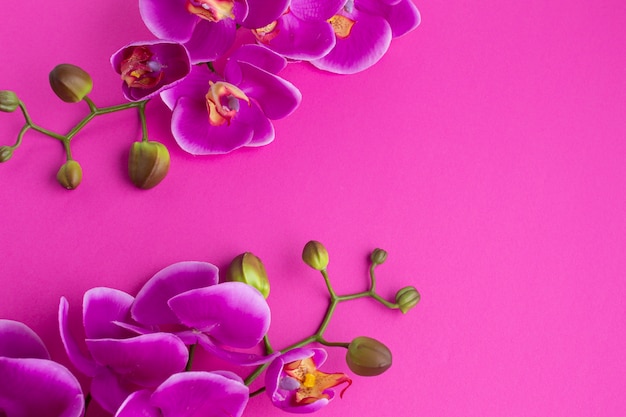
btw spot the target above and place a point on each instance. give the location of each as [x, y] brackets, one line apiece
[294, 383]
[214, 115]
[118, 360]
[364, 30]
[147, 68]
[207, 27]
[32, 385]
[303, 31]
[187, 299]
[189, 394]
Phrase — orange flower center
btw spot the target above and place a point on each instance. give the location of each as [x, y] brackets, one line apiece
[313, 383]
[222, 101]
[342, 26]
[140, 68]
[212, 10]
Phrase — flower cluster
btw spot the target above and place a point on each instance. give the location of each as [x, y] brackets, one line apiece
[216, 65]
[137, 351]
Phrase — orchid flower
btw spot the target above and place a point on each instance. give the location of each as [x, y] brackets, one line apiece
[187, 299]
[364, 30]
[294, 383]
[189, 394]
[147, 68]
[118, 360]
[32, 385]
[214, 115]
[207, 27]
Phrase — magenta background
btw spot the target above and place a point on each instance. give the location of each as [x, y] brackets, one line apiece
[486, 152]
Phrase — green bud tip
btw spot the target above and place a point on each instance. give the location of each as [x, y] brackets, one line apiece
[70, 175]
[70, 83]
[148, 164]
[407, 298]
[315, 255]
[368, 357]
[8, 101]
[249, 269]
[378, 256]
[6, 152]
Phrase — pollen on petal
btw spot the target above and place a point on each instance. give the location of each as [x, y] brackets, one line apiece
[342, 26]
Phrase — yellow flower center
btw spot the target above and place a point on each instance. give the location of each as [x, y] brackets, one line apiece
[342, 26]
[222, 101]
[212, 10]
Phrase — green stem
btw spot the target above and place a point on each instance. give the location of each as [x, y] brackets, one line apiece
[192, 351]
[257, 392]
[142, 117]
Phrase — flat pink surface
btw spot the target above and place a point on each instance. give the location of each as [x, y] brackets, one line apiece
[486, 153]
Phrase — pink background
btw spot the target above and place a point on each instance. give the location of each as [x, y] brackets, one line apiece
[486, 152]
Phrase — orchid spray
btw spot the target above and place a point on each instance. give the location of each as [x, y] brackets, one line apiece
[137, 351]
[216, 109]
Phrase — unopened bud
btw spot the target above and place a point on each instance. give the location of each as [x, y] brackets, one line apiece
[8, 101]
[315, 255]
[249, 269]
[70, 83]
[368, 357]
[6, 152]
[378, 256]
[70, 174]
[407, 298]
[148, 164]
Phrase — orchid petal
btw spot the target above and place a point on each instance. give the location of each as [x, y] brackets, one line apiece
[401, 15]
[316, 10]
[206, 394]
[82, 362]
[101, 308]
[301, 39]
[211, 40]
[196, 85]
[34, 387]
[168, 19]
[277, 97]
[260, 57]
[138, 404]
[150, 306]
[17, 340]
[262, 12]
[233, 313]
[146, 360]
[366, 44]
[238, 358]
[110, 390]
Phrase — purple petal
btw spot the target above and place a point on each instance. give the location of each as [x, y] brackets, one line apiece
[316, 10]
[110, 390]
[138, 404]
[196, 85]
[82, 362]
[194, 133]
[17, 340]
[263, 131]
[168, 19]
[401, 15]
[301, 39]
[38, 387]
[210, 41]
[150, 306]
[277, 97]
[263, 12]
[146, 360]
[102, 307]
[238, 358]
[233, 313]
[206, 394]
[368, 41]
[260, 57]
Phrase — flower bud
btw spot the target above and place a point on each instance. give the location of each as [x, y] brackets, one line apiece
[315, 255]
[378, 256]
[368, 357]
[6, 152]
[249, 269]
[70, 174]
[407, 298]
[148, 164]
[70, 83]
[8, 101]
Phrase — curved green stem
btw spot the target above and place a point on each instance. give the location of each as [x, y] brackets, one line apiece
[192, 351]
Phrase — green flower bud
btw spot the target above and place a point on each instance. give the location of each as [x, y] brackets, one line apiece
[407, 298]
[70, 83]
[8, 101]
[249, 269]
[378, 256]
[315, 255]
[70, 174]
[6, 152]
[368, 357]
[148, 164]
